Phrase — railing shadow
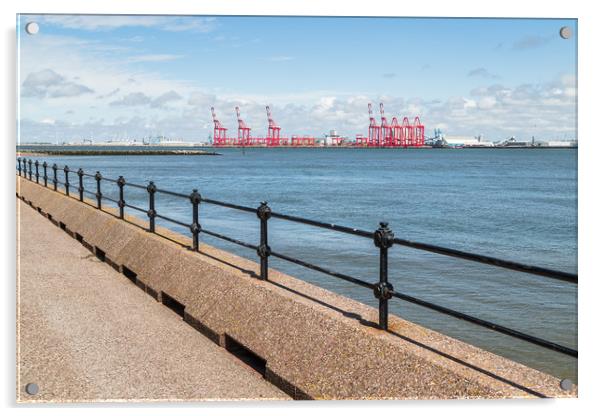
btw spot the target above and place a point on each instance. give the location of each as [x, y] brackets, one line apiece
[469, 365]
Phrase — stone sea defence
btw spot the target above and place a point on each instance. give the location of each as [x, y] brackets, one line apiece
[309, 342]
[124, 152]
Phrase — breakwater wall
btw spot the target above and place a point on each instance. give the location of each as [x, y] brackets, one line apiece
[124, 152]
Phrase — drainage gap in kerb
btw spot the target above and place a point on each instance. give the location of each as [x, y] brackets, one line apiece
[245, 355]
[172, 304]
[129, 274]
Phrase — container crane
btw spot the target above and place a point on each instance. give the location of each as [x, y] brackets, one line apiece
[373, 129]
[385, 129]
[406, 133]
[273, 138]
[244, 132]
[219, 131]
[418, 132]
[396, 133]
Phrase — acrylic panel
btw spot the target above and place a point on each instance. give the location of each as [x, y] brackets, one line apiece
[277, 208]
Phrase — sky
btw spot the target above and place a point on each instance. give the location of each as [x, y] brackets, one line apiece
[112, 77]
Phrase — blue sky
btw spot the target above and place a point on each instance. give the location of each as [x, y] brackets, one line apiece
[111, 76]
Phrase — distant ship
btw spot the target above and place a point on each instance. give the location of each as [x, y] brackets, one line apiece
[512, 142]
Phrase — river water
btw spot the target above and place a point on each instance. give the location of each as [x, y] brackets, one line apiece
[515, 204]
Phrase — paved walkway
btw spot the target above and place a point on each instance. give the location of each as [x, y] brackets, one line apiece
[86, 333]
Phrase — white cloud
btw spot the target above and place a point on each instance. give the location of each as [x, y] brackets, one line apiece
[468, 103]
[107, 74]
[111, 22]
[135, 99]
[570, 92]
[153, 58]
[132, 99]
[162, 100]
[325, 103]
[482, 73]
[486, 103]
[200, 99]
[496, 111]
[69, 90]
[195, 24]
[48, 83]
[110, 94]
[531, 42]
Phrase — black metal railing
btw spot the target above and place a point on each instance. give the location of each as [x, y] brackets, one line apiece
[383, 239]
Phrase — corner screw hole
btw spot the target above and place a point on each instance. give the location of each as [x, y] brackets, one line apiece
[565, 32]
[32, 389]
[32, 28]
[566, 384]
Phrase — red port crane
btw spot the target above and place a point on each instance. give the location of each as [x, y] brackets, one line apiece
[244, 132]
[385, 129]
[396, 133]
[273, 138]
[418, 132]
[373, 129]
[406, 133]
[219, 131]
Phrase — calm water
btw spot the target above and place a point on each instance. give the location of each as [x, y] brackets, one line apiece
[518, 204]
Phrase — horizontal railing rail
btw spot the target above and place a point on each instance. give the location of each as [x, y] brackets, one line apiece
[383, 239]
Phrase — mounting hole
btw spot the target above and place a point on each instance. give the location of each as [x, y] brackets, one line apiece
[32, 389]
[565, 32]
[32, 28]
[566, 384]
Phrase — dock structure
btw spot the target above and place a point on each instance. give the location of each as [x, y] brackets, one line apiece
[307, 342]
[383, 136]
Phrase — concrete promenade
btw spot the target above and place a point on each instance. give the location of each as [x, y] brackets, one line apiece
[87, 333]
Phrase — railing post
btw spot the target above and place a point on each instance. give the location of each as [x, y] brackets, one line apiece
[66, 170]
[37, 165]
[80, 188]
[195, 227]
[98, 178]
[19, 162]
[54, 180]
[151, 188]
[383, 239]
[30, 162]
[263, 251]
[45, 167]
[121, 203]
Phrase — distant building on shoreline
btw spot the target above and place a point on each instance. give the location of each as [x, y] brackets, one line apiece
[443, 140]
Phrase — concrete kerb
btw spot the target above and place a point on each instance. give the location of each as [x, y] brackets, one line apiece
[310, 350]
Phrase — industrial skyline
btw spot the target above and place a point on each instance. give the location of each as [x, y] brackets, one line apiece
[116, 76]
